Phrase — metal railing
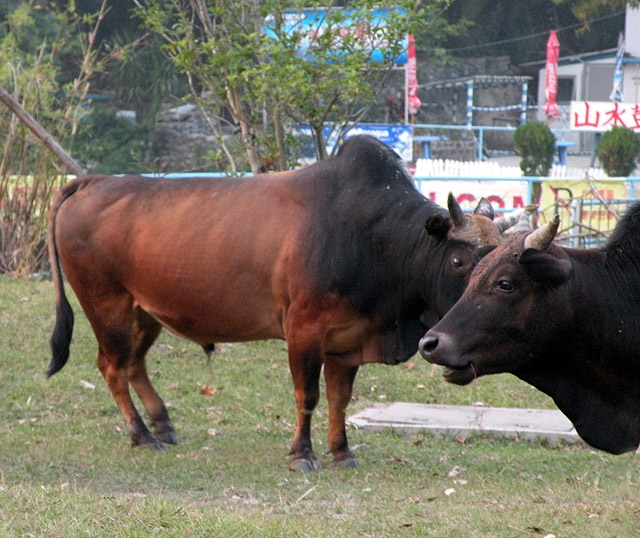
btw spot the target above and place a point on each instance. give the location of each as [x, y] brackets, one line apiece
[476, 131]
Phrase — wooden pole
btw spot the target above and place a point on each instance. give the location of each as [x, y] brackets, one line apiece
[45, 138]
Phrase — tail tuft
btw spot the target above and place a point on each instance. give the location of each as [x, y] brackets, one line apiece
[61, 337]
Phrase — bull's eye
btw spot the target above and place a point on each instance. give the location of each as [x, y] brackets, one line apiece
[505, 285]
[457, 262]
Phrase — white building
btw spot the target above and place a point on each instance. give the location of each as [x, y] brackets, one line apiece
[589, 77]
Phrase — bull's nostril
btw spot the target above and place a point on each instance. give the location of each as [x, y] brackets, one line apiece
[428, 344]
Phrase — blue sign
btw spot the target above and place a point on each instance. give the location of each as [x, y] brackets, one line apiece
[397, 137]
[309, 25]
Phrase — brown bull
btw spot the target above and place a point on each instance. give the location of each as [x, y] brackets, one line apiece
[344, 259]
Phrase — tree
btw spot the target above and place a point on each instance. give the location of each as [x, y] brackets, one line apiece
[263, 79]
[143, 78]
[521, 29]
[34, 37]
[588, 9]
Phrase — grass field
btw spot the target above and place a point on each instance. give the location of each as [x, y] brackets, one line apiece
[67, 470]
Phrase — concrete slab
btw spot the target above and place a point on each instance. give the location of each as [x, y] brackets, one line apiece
[455, 421]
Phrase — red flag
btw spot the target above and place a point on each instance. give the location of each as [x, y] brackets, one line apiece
[413, 100]
[551, 75]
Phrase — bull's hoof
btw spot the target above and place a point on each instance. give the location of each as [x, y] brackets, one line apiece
[348, 461]
[168, 437]
[305, 464]
[157, 446]
[151, 443]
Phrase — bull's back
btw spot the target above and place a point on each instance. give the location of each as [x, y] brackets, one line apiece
[205, 257]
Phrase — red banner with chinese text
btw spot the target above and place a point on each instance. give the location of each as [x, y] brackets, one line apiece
[602, 115]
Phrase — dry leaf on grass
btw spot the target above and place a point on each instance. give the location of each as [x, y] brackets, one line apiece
[208, 390]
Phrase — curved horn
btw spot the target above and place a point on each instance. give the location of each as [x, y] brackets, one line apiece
[507, 220]
[523, 224]
[542, 237]
[457, 215]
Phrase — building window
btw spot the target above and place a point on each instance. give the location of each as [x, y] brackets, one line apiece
[565, 90]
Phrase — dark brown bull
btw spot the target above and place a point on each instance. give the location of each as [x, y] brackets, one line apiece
[344, 259]
[566, 321]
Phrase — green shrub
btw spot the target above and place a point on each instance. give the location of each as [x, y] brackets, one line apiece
[536, 144]
[618, 150]
[108, 144]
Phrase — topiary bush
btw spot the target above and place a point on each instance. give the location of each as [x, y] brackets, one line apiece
[618, 150]
[536, 144]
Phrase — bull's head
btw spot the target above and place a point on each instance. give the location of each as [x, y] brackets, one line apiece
[468, 238]
[563, 320]
[501, 321]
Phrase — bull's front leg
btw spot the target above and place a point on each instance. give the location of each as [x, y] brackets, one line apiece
[339, 380]
[305, 365]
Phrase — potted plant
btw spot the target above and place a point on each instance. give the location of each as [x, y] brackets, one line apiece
[617, 150]
[536, 144]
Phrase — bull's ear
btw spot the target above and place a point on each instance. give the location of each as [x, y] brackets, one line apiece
[438, 226]
[544, 268]
[484, 208]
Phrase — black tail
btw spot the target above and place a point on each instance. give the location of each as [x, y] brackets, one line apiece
[61, 336]
[63, 329]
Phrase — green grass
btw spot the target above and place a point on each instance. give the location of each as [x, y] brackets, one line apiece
[66, 468]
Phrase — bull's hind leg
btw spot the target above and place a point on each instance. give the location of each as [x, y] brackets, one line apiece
[112, 319]
[117, 379]
[339, 380]
[147, 330]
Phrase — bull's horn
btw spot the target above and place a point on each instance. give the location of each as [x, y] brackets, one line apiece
[457, 215]
[542, 237]
[523, 224]
[507, 220]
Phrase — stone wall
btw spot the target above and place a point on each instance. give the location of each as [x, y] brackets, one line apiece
[182, 139]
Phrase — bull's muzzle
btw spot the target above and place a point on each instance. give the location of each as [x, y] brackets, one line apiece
[438, 348]
[428, 344]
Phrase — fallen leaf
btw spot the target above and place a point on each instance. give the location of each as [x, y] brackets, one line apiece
[454, 472]
[410, 365]
[208, 390]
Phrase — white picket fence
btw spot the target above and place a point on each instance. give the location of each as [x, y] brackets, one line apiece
[491, 169]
